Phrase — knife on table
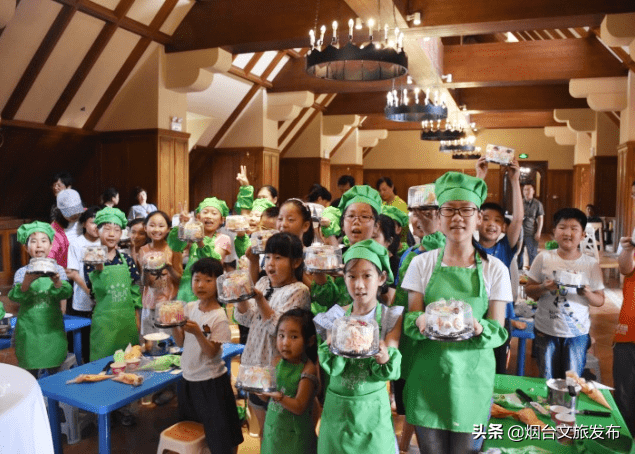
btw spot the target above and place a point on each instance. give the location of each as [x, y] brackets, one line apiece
[593, 413]
[524, 396]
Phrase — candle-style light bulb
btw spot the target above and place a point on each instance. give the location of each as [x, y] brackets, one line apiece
[351, 23]
[400, 41]
[405, 96]
[427, 96]
[386, 33]
[371, 24]
[389, 96]
[417, 95]
[334, 40]
[312, 37]
[322, 31]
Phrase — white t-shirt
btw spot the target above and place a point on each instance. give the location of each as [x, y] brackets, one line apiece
[564, 315]
[495, 275]
[81, 300]
[73, 231]
[197, 366]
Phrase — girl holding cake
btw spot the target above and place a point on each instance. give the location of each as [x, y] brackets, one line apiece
[277, 292]
[211, 212]
[40, 340]
[463, 371]
[138, 238]
[356, 417]
[162, 268]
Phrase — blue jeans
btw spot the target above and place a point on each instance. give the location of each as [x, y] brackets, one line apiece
[556, 355]
[532, 250]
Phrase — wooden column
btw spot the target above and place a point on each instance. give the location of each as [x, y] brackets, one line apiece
[603, 170]
[625, 178]
[297, 175]
[581, 186]
[173, 170]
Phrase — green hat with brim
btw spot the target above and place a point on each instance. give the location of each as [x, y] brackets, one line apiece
[213, 202]
[110, 215]
[395, 214]
[26, 230]
[372, 251]
[361, 194]
[262, 204]
[458, 186]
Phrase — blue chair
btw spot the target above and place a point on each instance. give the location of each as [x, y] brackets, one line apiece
[522, 335]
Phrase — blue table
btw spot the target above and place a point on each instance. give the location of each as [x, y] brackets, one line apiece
[106, 396]
[71, 323]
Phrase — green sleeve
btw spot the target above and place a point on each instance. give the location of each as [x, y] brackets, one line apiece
[245, 199]
[433, 241]
[206, 251]
[17, 295]
[391, 370]
[173, 241]
[65, 291]
[136, 296]
[410, 327]
[333, 214]
[493, 335]
[332, 364]
[241, 244]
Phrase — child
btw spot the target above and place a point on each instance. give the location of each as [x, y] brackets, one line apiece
[279, 291]
[211, 212]
[386, 235]
[289, 423]
[162, 287]
[400, 220]
[356, 416]
[115, 321]
[562, 319]
[462, 373]
[269, 218]
[243, 240]
[138, 238]
[295, 218]
[40, 340]
[206, 395]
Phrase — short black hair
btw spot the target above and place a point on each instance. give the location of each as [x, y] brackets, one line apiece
[287, 245]
[273, 191]
[160, 213]
[305, 319]
[64, 177]
[90, 212]
[493, 206]
[346, 179]
[208, 266]
[138, 190]
[570, 213]
[387, 226]
[109, 194]
[271, 212]
[317, 191]
[386, 180]
[135, 221]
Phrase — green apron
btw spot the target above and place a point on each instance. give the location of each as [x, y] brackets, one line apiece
[450, 384]
[40, 340]
[285, 431]
[114, 323]
[356, 416]
[185, 286]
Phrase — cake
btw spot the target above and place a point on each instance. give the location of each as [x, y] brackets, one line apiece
[450, 319]
[235, 286]
[256, 378]
[95, 254]
[323, 258]
[191, 231]
[352, 336]
[570, 278]
[236, 223]
[422, 196]
[170, 313]
[499, 155]
[42, 265]
[154, 260]
[259, 240]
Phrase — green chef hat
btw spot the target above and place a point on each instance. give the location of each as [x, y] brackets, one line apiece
[262, 204]
[110, 215]
[219, 204]
[372, 251]
[395, 214]
[361, 194]
[459, 186]
[25, 231]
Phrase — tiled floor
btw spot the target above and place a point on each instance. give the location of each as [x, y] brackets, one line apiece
[143, 438]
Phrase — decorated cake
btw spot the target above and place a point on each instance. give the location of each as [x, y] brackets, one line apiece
[235, 286]
[322, 258]
[259, 240]
[192, 231]
[154, 260]
[570, 278]
[422, 196]
[256, 378]
[42, 265]
[353, 337]
[449, 320]
[498, 154]
[170, 313]
[95, 254]
[237, 223]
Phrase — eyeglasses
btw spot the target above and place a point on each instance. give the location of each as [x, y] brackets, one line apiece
[363, 218]
[465, 212]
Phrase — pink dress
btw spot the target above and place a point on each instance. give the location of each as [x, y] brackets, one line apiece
[59, 250]
[163, 288]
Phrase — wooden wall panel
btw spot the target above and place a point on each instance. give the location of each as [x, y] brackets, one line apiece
[625, 177]
[603, 171]
[559, 195]
[337, 170]
[581, 186]
[297, 175]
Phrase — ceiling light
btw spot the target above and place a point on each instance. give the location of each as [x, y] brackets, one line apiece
[415, 18]
[415, 105]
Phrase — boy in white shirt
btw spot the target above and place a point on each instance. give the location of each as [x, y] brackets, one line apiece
[562, 319]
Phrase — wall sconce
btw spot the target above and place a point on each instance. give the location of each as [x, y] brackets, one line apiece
[415, 18]
[176, 124]
[447, 78]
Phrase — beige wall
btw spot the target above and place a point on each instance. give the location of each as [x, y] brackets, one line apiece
[405, 149]
[309, 144]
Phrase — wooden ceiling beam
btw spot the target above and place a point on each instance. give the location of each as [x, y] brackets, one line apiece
[624, 56]
[510, 63]
[314, 113]
[239, 72]
[252, 62]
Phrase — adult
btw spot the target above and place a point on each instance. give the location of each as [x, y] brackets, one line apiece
[532, 224]
[388, 194]
[268, 192]
[144, 208]
[344, 183]
[319, 194]
[61, 181]
[110, 197]
[69, 208]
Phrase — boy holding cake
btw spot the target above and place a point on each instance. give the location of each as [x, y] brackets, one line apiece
[565, 283]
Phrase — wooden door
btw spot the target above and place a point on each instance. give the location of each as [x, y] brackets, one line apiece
[559, 195]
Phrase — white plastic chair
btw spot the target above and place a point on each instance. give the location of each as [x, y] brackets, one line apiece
[588, 245]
